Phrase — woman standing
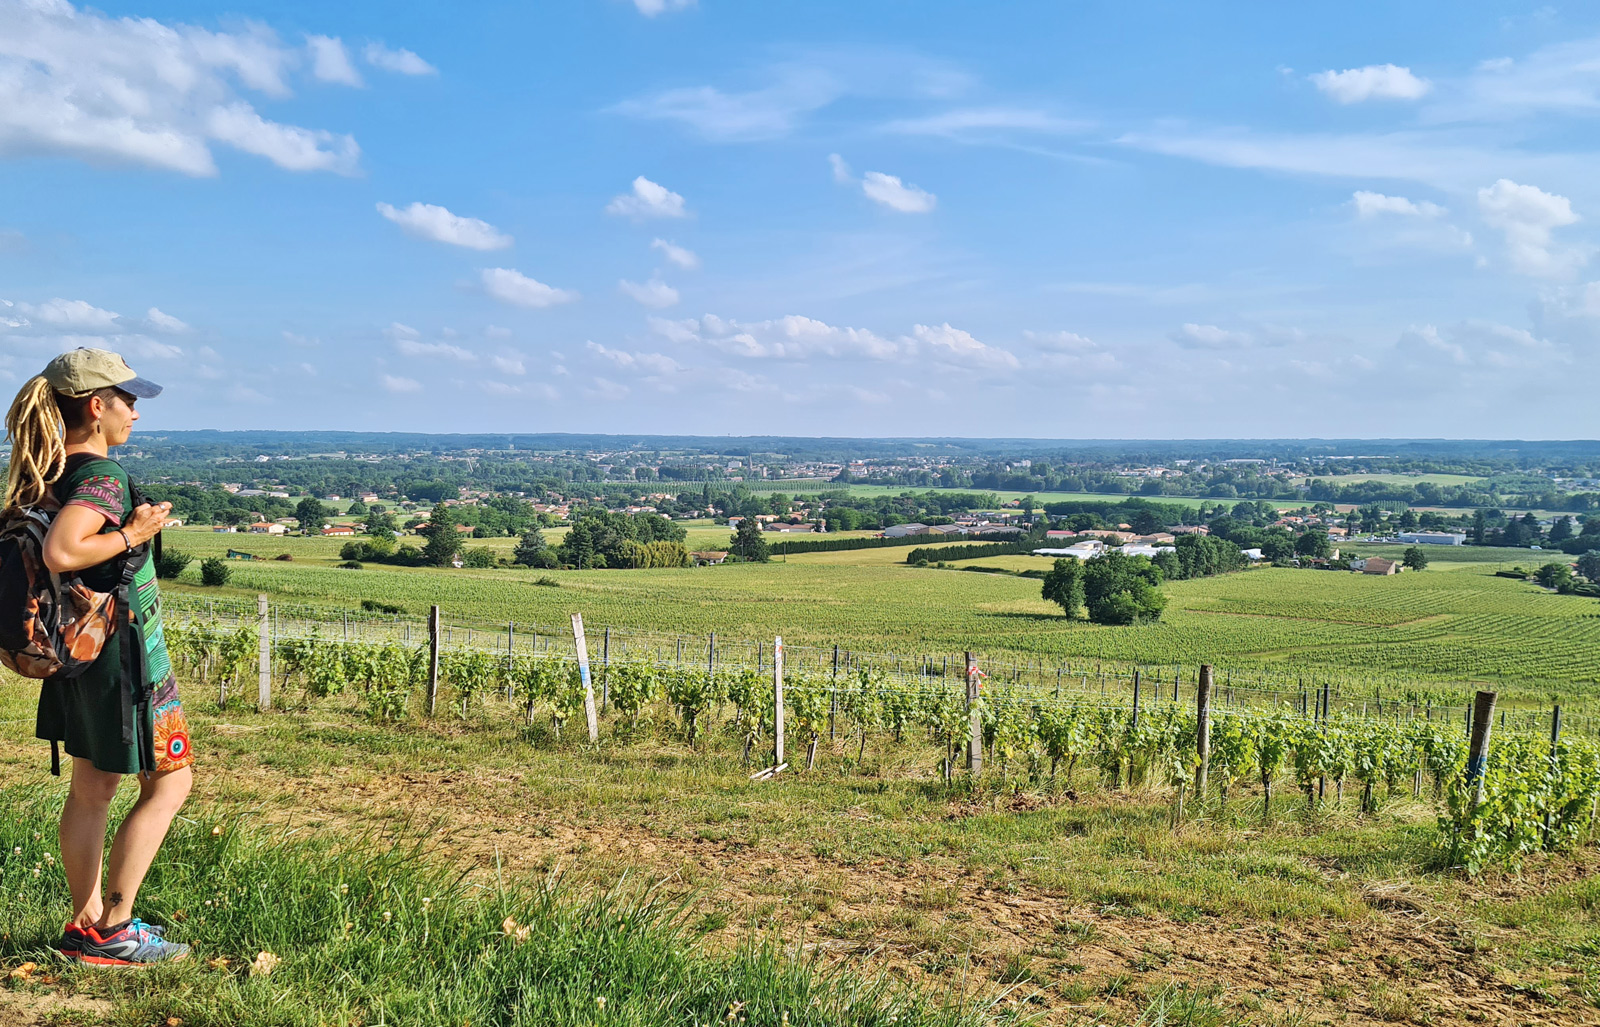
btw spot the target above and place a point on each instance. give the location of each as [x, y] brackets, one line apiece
[112, 720]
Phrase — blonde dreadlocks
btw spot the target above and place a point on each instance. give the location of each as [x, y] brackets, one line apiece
[37, 425]
[38, 444]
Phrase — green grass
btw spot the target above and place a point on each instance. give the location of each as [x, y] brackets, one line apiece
[371, 929]
[1393, 479]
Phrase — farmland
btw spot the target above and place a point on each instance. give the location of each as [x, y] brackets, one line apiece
[1455, 622]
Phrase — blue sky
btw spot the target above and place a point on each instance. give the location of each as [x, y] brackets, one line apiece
[1034, 218]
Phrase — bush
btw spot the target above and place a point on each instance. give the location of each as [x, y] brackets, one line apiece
[214, 571]
[478, 558]
[283, 556]
[171, 563]
[374, 606]
[351, 565]
[547, 580]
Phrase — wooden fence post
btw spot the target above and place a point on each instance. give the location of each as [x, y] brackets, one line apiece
[433, 658]
[711, 655]
[974, 720]
[511, 657]
[1478, 746]
[582, 646]
[1555, 737]
[1202, 740]
[777, 701]
[264, 655]
[1133, 724]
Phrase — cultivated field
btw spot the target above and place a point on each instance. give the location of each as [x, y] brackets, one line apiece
[1454, 622]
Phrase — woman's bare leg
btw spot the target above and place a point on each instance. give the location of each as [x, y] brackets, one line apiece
[83, 836]
[161, 794]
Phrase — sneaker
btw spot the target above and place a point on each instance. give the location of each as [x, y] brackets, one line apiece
[71, 944]
[135, 944]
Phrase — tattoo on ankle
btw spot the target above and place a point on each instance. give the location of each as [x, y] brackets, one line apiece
[116, 898]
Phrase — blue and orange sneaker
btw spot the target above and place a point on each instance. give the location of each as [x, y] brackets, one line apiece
[133, 944]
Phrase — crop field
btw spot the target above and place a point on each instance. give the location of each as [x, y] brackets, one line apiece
[1040, 498]
[1455, 622]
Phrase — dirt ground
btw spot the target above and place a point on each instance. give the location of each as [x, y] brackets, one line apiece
[940, 927]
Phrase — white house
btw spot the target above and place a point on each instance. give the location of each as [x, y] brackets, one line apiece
[1078, 550]
[1434, 538]
[1253, 555]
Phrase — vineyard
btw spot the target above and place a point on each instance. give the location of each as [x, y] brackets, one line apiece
[1455, 625]
[1297, 745]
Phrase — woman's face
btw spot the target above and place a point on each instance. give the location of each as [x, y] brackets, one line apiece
[116, 417]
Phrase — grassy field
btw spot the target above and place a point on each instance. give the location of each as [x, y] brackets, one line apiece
[1040, 498]
[684, 888]
[1454, 622]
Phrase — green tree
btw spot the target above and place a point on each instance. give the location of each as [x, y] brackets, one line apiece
[1122, 589]
[1561, 530]
[1408, 520]
[444, 542]
[1589, 566]
[172, 562]
[531, 551]
[1591, 525]
[214, 571]
[1480, 526]
[356, 508]
[1414, 559]
[1313, 543]
[380, 524]
[311, 514]
[747, 543]
[1063, 585]
[1554, 575]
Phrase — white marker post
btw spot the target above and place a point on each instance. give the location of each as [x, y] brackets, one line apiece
[777, 701]
[588, 684]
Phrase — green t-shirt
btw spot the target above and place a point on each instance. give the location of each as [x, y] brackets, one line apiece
[102, 486]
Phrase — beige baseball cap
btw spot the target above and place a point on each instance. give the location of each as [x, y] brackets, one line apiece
[81, 371]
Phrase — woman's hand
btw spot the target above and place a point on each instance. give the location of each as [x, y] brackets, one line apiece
[145, 522]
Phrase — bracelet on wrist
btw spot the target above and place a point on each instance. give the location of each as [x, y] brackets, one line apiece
[128, 543]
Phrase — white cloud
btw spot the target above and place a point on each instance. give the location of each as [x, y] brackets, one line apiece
[1374, 82]
[648, 200]
[841, 170]
[496, 332]
[654, 293]
[636, 363]
[330, 61]
[785, 338]
[1060, 342]
[144, 347]
[164, 321]
[685, 259]
[78, 83]
[303, 341]
[398, 331]
[514, 287]
[953, 344]
[967, 121]
[605, 390]
[1475, 343]
[651, 8]
[402, 61]
[427, 221]
[289, 147]
[1198, 336]
[1373, 204]
[399, 386]
[412, 347]
[508, 364]
[1528, 216]
[70, 314]
[797, 88]
[892, 193]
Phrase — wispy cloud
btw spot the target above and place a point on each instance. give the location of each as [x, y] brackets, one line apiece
[427, 221]
[511, 286]
[402, 62]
